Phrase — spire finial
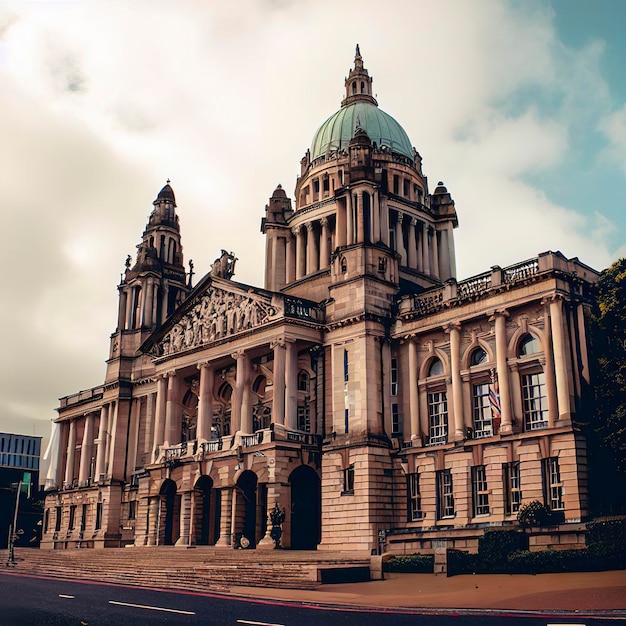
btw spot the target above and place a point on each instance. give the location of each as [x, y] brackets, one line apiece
[358, 52]
[167, 182]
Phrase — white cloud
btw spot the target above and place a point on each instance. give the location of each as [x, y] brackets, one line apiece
[102, 101]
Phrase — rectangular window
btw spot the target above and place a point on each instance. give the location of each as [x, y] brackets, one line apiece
[394, 377]
[395, 420]
[304, 419]
[346, 417]
[83, 517]
[406, 187]
[348, 480]
[482, 411]
[58, 518]
[480, 494]
[98, 525]
[72, 521]
[46, 520]
[437, 418]
[553, 487]
[345, 366]
[512, 487]
[132, 509]
[414, 500]
[392, 238]
[445, 497]
[396, 184]
[535, 401]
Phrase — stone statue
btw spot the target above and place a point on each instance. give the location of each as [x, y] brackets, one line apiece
[277, 517]
[224, 265]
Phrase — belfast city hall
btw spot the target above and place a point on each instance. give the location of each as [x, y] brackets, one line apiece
[363, 389]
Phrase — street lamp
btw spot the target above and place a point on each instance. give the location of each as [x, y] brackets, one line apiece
[13, 535]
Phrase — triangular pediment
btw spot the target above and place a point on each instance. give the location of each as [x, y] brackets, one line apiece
[220, 309]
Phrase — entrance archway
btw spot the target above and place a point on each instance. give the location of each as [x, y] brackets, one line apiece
[246, 506]
[306, 508]
[206, 512]
[167, 511]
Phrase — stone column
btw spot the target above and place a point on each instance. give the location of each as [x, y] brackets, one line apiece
[278, 401]
[291, 258]
[375, 208]
[324, 252]
[121, 316]
[435, 255]
[115, 406]
[152, 529]
[85, 451]
[400, 240]
[560, 359]
[241, 416]
[341, 227]
[184, 538]
[159, 419]
[149, 429]
[300, 258]
[503, 371]
[101, 442]
[291, 383]
[350, 219]
[413, 391]
[457, 384]
[205, 402]
[412, 244]
[384, 220]
[444, 265]
[71, 451]
[425, 249]
[360, 218]
[148, 303]
[225, 517]
[312, 253]
[141, 300]
[170, 409]
[419, 237]
[451, 252]
[551, 393]
[164, 298]
[130, 308]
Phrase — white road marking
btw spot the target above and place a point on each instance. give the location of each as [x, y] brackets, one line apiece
[62, 595]
[151, 608]
[245, 621]
[559, 624]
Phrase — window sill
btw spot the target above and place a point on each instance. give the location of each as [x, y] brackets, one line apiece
[348, 493]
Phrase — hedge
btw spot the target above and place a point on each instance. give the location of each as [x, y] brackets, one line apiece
[607, 537]
[413, 563]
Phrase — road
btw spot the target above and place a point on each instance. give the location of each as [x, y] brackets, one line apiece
[27, 600]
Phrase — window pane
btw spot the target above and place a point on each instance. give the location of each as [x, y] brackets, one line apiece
[535, 401]
[438, 417]
[482, 411]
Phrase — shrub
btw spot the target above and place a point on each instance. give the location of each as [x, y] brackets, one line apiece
[533, 513]
[413, 563]
[554, 561]
[496, 545]
[607, 537]
[460, 562]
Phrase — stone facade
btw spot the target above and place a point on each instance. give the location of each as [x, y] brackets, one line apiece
[362, 389]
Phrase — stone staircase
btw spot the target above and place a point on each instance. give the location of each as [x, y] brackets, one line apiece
[195, 569]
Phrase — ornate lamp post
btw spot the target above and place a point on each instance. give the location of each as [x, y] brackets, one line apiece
[277, 517]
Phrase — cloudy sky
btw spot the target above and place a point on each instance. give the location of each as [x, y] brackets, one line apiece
[518, 106]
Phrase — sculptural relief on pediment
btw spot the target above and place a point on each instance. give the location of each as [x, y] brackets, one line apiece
[216, 315]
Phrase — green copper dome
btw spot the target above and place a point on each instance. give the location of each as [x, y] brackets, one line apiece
[337, 131]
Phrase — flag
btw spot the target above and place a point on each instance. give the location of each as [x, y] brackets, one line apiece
[494, 401]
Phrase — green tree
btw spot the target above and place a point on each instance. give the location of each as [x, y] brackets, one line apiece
[607, 428]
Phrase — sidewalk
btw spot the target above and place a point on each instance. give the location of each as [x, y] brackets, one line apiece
[579, 591]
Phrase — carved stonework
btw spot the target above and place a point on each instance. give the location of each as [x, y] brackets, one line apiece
[217, 314]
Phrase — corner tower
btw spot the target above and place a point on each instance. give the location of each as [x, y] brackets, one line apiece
[152, 287]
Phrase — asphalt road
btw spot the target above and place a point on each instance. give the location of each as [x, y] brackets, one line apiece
[32, 601]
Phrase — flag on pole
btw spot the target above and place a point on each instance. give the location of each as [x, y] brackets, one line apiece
[494, 400]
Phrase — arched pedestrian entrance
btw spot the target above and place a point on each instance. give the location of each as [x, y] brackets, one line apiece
[206, 512]
[246, 507]
[168, 513]
[306, 508]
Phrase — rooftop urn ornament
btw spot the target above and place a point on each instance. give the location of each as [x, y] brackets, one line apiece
[277, 517]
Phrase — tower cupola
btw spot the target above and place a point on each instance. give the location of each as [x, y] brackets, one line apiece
[358, 83]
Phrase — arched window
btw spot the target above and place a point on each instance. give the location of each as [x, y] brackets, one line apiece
[436, 368]
[528, 345]
[258, 386]
[303, 381]
[437, 400]
[225, 392]
[362, 86]
[354, 87]
[478, 357]
[344, 265]
[533, 379]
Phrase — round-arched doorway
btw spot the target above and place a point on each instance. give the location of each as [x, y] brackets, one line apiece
[306, 508]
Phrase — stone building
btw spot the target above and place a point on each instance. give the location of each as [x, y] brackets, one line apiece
[362, 389]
